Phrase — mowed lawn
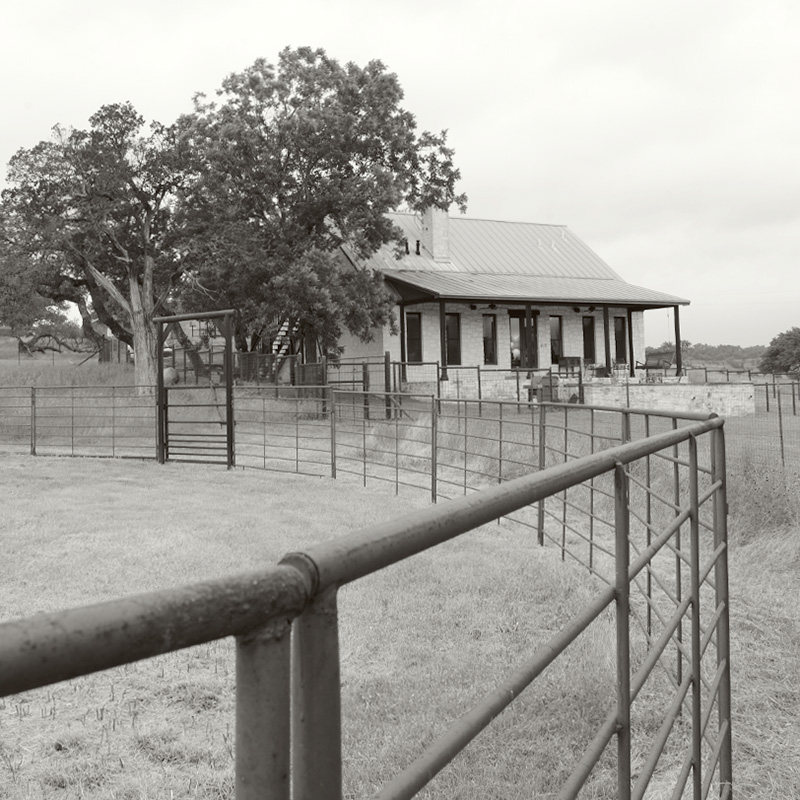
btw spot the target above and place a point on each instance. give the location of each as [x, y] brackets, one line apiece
[421, 641]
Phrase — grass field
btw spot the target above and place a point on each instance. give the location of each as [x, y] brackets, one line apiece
[420, 641]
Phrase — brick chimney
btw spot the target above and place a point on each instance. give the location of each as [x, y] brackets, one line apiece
[436, 233]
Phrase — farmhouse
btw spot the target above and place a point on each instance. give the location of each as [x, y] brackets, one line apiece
[474, 292]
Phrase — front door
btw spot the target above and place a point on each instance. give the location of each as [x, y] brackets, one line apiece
[524, 349]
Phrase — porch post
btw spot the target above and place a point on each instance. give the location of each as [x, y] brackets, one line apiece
[678, 359]
[443, 339]
[631, 362]
[607, 341]
[403, 354]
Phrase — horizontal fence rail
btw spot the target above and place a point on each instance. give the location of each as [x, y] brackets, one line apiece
[647, 517]
[325, 430]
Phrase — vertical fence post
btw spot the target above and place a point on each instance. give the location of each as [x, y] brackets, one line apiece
[387, 383]
[33, 420]
[676, 499]
[230, 429]
[316, 695]
[542, 459]
[434, 459]
[364, 447]
[621, 558]
[625, 432]
[161, 399]
[780, 431]
[591, 495]
[466, 448]
[71, 420]
[649, 532]
[564, 493]
[500, 444]
[333, 434]
[723, 603]
[297, 434]
[694, 582]
[365, 387]
[263, 713]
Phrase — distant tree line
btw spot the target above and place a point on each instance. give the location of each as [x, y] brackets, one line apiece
[782, 356]
[724, 356]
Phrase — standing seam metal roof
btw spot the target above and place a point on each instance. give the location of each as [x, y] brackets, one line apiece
[515, 260]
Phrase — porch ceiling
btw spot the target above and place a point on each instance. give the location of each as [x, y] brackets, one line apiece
[416, 286]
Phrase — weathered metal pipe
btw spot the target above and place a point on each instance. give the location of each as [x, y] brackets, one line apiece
[355, 555]
[48, 648]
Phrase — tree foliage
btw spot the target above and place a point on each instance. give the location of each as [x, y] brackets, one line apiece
[783, 354]
[265, 200]
[727, 356]
[290, 165]
[89, 215]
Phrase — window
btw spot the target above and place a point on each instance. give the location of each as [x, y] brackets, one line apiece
[452, 325]
[621, 340]
[489, 339]
[588, 340]
[556, 345]
[521, 337]
[414, 337]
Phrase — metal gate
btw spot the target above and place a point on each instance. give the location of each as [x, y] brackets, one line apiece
[195, 388]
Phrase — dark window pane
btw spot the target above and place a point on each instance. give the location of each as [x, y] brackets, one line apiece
[555, 340]
[621, 340]
[453, 338]
[588, 340]
[489, 339]
[414, 337]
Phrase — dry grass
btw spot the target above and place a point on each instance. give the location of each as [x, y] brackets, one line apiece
[459, 617]
[78, 531]
[58, 369]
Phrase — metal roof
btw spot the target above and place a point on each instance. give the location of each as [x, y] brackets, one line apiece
[513, 261]
[525, 288]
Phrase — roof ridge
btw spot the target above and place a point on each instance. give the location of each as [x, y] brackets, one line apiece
[464, 218]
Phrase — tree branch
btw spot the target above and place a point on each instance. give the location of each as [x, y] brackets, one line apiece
[108, 285]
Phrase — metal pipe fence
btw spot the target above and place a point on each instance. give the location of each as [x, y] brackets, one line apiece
[672, 639]
[374, 434]
[113, 421]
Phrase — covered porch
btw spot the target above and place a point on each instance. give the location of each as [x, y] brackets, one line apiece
[564, 325]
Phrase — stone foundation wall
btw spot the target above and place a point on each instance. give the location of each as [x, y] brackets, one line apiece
[727, 400]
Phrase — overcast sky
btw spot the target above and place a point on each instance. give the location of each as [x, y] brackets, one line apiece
[665, 134]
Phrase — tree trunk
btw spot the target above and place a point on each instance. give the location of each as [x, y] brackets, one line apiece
[144, 339]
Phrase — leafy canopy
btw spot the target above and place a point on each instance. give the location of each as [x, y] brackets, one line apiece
[89, 215]
[265, 199]
[783, 354]
[290, 164]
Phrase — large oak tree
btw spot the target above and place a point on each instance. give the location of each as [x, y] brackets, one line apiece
[290, 165]
[89, 213]
[265, 200]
